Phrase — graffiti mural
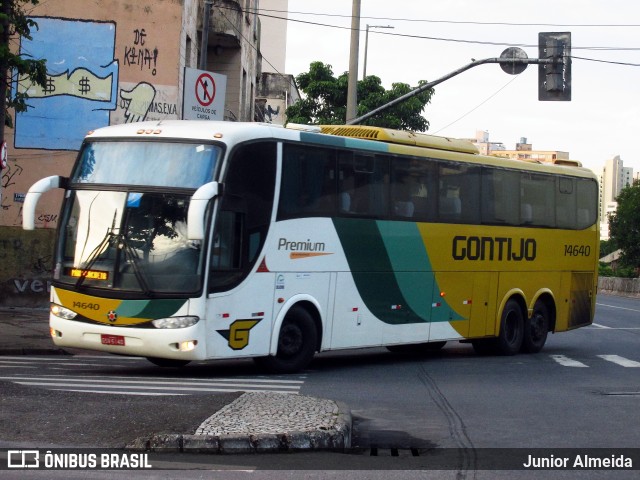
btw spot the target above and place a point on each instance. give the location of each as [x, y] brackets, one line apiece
[81, 87]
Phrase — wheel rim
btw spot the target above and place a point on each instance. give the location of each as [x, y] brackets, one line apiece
[511, 327]
[291, 340]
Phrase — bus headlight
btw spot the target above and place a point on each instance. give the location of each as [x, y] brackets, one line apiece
[175, 322]
[62, 312]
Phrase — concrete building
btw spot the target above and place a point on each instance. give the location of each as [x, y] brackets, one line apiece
[615, 176]
[109, 63]
[273, 42]
[485, 146]
[524, 151]
[233, 51]
[276, 90]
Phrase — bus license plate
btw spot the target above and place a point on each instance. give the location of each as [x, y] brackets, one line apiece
[107, 339]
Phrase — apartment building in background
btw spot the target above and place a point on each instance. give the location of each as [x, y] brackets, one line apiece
[614, 177]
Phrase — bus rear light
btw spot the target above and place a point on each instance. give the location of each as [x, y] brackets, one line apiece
[175, 322]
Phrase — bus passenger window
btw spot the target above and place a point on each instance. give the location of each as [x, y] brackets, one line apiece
[459, 193]
[411, 181]
[587, 193]
[363, 184]
[308, 182]
[501, 197]
[566, 208]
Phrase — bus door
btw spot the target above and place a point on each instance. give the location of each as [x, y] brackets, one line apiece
[239, 304]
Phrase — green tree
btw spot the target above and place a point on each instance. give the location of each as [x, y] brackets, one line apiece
[624, 225]
[607, 247]
[14, 23]
[325, 101]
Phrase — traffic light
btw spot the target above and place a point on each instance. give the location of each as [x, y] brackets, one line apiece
[554, 79]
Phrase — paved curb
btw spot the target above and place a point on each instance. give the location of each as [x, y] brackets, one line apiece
[337, 437]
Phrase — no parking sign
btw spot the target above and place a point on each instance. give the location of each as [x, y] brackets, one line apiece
[203, 95]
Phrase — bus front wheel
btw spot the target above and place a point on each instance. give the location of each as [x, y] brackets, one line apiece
[296, 343]
[511, 329]
[536, 329]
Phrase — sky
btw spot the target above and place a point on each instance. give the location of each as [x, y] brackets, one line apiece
[433, 38]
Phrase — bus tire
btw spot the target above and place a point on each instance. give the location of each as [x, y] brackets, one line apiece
[296, 343]
[168, 362]
[511, 334]
[536, 329]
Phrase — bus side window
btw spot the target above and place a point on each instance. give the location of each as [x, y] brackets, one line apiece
[566, 208]
[587, 191]
[308, 182]
[412, 183]
[459, 193]
[501, 197]
[363, 184]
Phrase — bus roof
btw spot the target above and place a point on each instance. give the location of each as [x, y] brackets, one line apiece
[401, 137]
[362, 137]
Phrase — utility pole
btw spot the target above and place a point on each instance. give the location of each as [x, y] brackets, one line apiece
[204, 43]
[352, 88]
[366, 45]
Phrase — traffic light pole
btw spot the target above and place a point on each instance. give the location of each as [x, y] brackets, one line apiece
[506, 62]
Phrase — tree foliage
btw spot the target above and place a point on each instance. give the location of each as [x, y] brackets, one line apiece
[14, 23]
[325, 101]
[624, 225]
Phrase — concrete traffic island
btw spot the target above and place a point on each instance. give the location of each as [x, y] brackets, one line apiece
[262, 422]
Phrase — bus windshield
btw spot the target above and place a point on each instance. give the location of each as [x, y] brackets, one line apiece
[129, 241]
[160, 164]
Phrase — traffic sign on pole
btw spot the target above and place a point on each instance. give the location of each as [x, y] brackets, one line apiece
[203, 95]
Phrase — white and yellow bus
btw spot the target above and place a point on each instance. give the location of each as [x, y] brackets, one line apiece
[184, 240]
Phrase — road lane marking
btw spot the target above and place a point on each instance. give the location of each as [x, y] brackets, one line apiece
[619, 308]
[617, 359]
[568, 362]
[112, 388]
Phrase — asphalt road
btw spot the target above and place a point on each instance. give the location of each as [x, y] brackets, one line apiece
[581, 391]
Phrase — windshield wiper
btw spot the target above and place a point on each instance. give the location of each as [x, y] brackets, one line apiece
[118, 241]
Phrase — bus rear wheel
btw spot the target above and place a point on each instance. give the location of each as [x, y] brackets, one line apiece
[168, 362]
[296, 343]
[511, 334]
[536, 329]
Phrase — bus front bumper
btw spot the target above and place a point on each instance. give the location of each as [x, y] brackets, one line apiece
[178, 343]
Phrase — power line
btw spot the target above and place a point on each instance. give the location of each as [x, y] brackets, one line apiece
[442, 39]
[461, 22]
[478, 106]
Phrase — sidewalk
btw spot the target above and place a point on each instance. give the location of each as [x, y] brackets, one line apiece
[254, 422]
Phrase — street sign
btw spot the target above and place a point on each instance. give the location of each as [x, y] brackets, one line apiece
[203, 95]
[513, 53]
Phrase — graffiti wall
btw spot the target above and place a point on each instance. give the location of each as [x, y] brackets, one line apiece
[107, 63]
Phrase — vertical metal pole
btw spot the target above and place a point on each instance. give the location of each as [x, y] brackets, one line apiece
[366, 47]
[204, 44]
[352, 89]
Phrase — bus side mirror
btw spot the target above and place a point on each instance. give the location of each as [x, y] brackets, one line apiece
[197, 209]
[33, 195]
